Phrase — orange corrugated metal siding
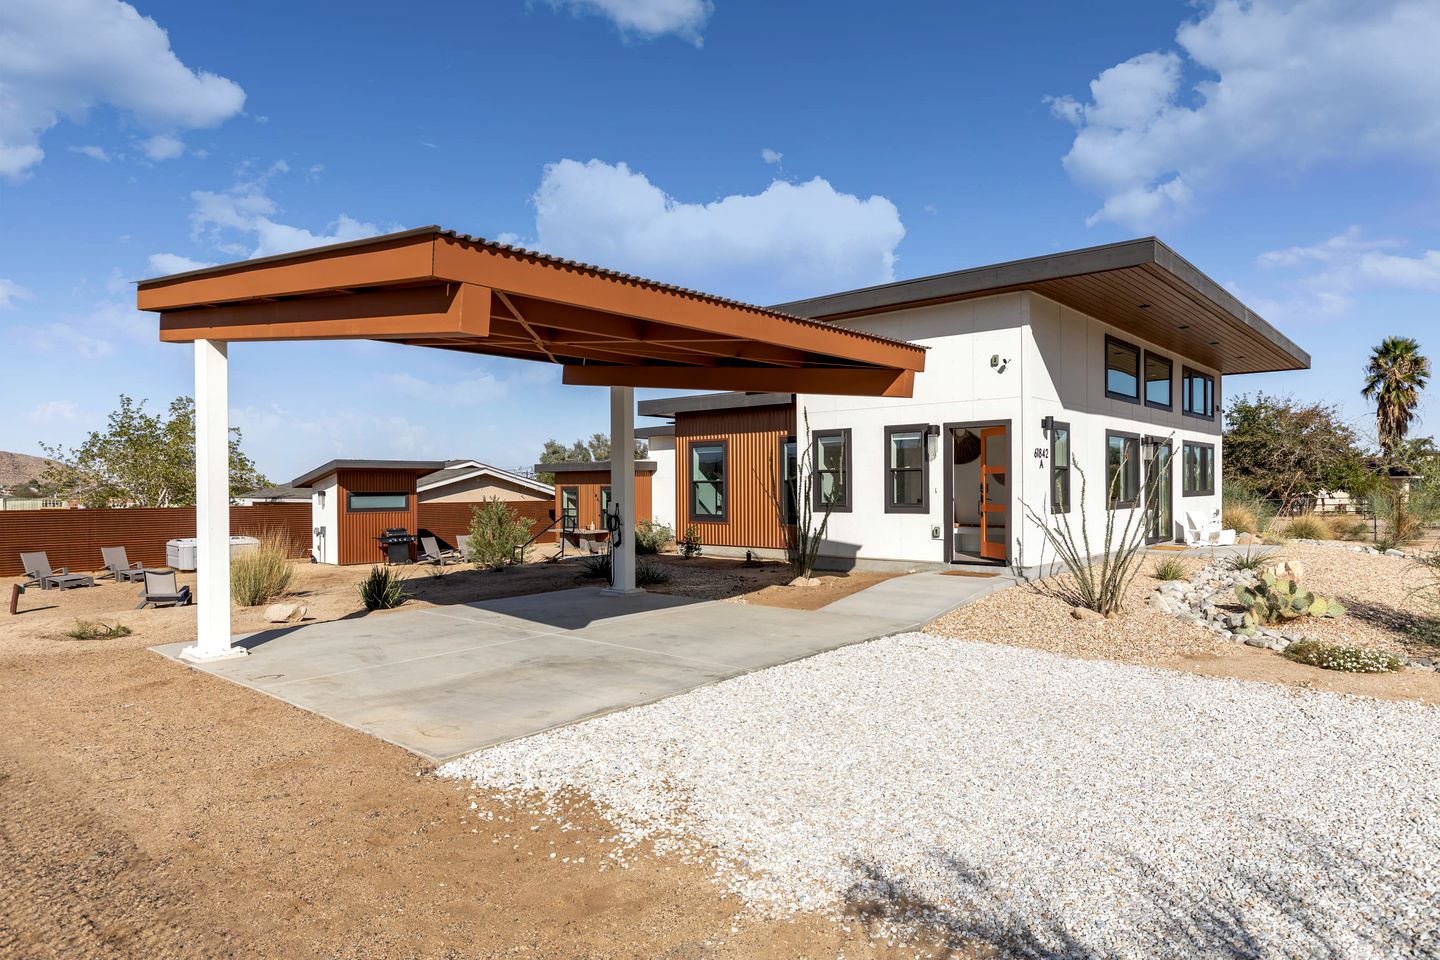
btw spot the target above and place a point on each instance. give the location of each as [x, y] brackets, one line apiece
[589, 483]
[752, 466]
[73, 538]
[358, 531]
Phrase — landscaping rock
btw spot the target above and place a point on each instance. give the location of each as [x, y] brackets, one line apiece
[1085, 613]
[285, 613]
[805, 582]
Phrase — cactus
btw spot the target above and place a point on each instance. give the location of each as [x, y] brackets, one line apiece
[1276, 599]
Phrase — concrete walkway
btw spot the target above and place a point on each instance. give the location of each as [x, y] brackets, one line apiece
[445, 681]
[921, 597]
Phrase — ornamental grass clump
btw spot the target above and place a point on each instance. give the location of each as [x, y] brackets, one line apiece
[1168, 569]
[1250, 561]
[1240, 517]
[1331, 656]
[263, 572]
[648, 573]
[95, 630]
[382, 589]
[1307, 526]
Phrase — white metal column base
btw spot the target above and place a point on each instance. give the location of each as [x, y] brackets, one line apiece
[620, 592]
[198, 654]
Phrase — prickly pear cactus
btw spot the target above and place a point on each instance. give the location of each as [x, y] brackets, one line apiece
[1275, 599]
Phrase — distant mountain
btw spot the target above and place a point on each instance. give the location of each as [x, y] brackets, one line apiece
[20, 468]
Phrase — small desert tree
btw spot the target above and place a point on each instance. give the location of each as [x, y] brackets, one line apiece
[1100, 578]
[793, 499]
[497, 536]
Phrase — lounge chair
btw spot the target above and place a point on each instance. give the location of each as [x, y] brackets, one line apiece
[118, 566]
[1203, 530]
[462, 546]
[41, 574]
[161, 590]
[430, 552]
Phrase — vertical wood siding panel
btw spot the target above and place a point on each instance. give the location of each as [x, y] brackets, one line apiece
[588, 484]
[359, 530]
[753, 439]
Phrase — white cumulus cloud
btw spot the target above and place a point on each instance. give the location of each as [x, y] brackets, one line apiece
[63, 57]
[162, 146]
[11, 293]
[1322, 279]
[771, 156]
[93, 152]
[647, 18]
[1279, 83]
[55, 411]
[790, 240]
[164, 264]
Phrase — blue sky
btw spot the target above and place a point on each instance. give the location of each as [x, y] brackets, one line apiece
[758, 150]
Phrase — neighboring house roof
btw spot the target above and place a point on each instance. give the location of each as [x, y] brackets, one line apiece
[456, 471]
[583, 466]
[277, 494]
[1141, 286]
[324, 470]
[662, 430]
[703, 402]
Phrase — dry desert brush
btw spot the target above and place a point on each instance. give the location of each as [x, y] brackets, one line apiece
[95, 630]
[382, 589]
[264, 572]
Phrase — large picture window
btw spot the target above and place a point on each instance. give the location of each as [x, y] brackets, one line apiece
[1122, 370]
[1122, 469]
[788, 487]
[707, 480]
[907, 470]
[374, 502]
[1159, 381]
[832, 470]
[1198, 394]
[1198, 470]
[1060, 468]
[569, 507]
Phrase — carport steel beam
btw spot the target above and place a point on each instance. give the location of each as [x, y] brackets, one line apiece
[436, 288]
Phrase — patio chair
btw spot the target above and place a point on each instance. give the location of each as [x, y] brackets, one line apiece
[118, 566]
[430, 552]
[1203, 530]
[462, 546]
[41, 574]
[161, 590]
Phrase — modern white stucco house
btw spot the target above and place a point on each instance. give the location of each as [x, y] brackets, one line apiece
[1096, 362]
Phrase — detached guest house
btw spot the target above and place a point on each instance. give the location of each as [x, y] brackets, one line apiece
[1048, 383]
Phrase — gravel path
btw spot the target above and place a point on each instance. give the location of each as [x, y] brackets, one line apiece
[1056, 807]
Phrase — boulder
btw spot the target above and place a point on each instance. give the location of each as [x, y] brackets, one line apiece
[805, 582]
[285, 613]
[1085, 613]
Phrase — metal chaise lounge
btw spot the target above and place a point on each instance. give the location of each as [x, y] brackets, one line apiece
[161, 590]
[119, 568]
[41, 574]
[430, 552]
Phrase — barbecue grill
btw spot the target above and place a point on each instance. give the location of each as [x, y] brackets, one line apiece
[395, 541]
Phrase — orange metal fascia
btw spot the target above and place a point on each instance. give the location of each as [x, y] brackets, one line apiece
[853, 381]
[402, 259]
[445, 310]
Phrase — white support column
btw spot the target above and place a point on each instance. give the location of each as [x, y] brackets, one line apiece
[212, 504]
[622, 488]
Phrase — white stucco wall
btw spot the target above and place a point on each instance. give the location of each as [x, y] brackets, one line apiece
[662, 484]
[325, 512]
[1048, 360]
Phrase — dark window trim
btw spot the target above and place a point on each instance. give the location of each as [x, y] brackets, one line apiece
[1139, 370]
[1055, 427]
[350, 496]
[924, 505]
[816, 503]
[724, 515]
[561, 504]
[1185, 472]
[1185, 374]
[789, 504]
[601, 496]
[1145, 380]
[1133, 463]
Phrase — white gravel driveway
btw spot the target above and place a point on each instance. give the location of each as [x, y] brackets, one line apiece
[1056, 807]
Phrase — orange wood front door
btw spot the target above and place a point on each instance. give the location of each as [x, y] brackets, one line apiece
[993, 524]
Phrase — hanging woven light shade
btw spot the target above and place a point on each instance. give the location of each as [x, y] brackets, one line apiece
[967, 448]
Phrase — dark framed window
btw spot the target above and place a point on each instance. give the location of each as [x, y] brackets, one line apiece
[1060, 468]
[907, 469]
[789, 465]
[832, 470]
[570, 507]
[1122, 469]
[707, 480]
[604, 501]
[1197, 470]
[1122, 370]
[1159, 381]
[377, 502]
[1197, 393]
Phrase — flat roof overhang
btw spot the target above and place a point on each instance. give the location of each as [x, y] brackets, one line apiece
[591, 466]
[1139, 286]
[436, 288]
[417, 467]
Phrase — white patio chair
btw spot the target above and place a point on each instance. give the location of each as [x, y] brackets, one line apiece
[1204, 530]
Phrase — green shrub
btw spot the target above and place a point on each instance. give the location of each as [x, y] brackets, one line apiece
[262, 573]
[1426, 632]
[596, 566]
[497, 536]
[690, 543]
[383, 589]
[94, 630]
[1240, 517]
[1168, 569]
[1308, 526]
[1251, 560]
[651, 537]
[1330, 656]
[648, 573]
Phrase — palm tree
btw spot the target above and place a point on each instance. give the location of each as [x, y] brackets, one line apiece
[1394, 377]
